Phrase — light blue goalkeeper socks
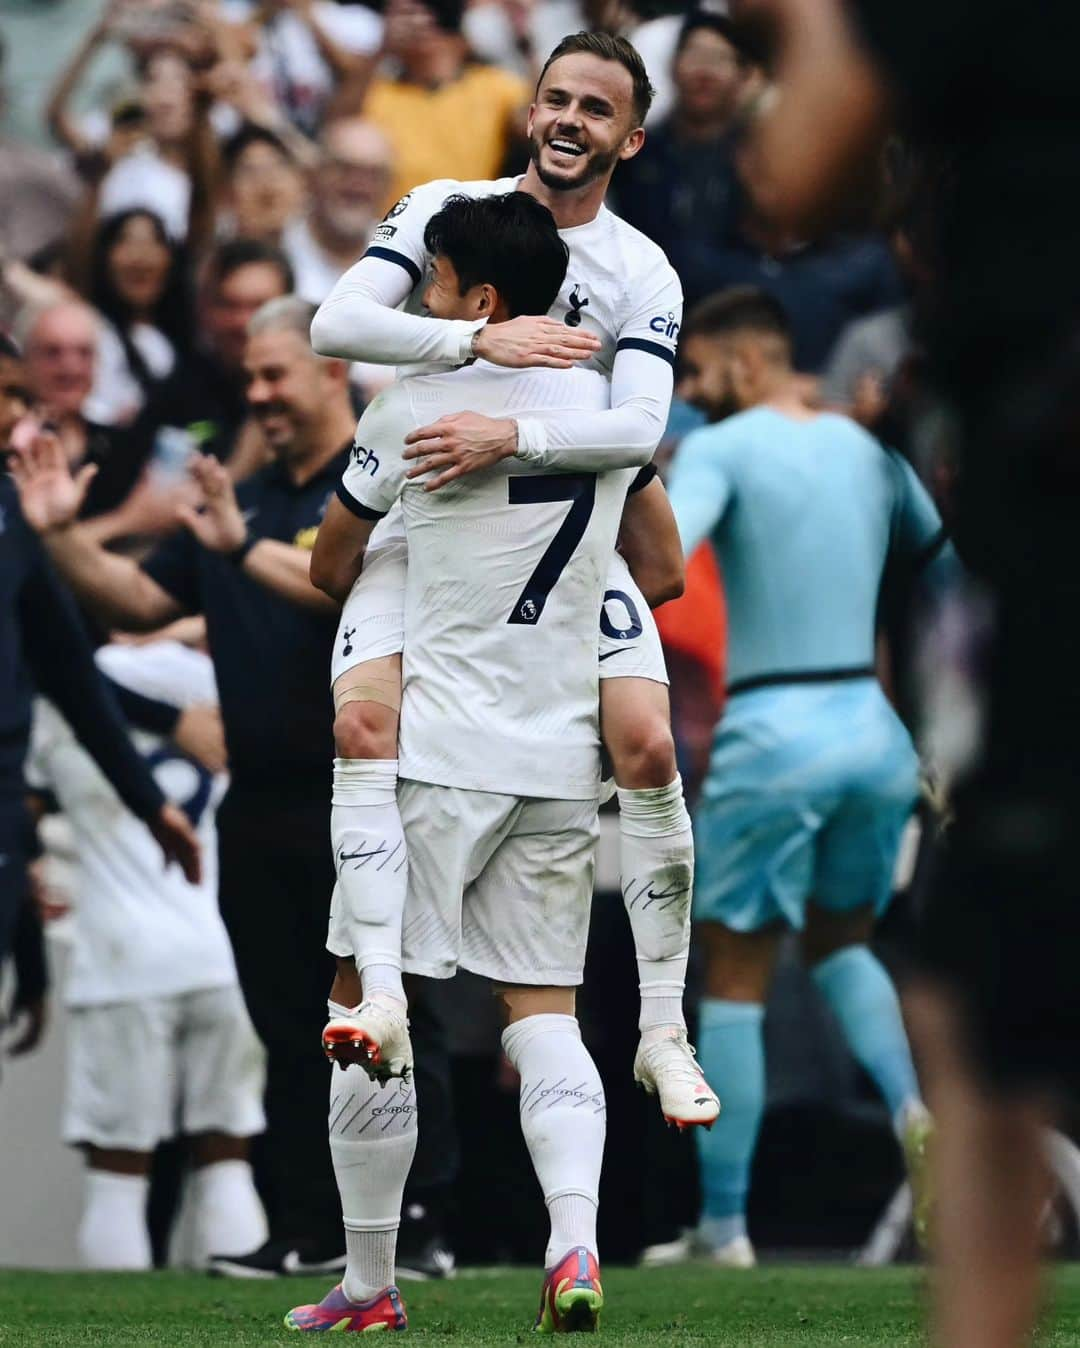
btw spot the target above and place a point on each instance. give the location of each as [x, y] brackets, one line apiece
[731, 1051]
[862, 997]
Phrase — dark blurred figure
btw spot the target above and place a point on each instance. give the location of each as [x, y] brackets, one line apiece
[996, 99]
[682, 190]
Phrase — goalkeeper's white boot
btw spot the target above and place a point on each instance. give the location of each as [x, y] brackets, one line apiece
[736, 1253]
[667, 1067]
[375, 1036]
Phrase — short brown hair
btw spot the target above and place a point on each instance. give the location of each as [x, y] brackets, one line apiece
[609, 48]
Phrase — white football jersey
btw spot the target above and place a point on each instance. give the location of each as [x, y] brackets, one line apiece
[140, 930]
[619, 284]
[505, 582]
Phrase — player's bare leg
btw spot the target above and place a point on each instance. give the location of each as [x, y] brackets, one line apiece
[563, 1118]
[862, 997]
[992, 1186]
[739, 969]
[657, 866]
[368, 1023]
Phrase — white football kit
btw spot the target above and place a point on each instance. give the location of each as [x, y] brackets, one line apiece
[160, 1033]
[499, 750]
[620, 286]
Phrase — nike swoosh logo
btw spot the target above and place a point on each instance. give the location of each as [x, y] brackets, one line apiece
[618, 651]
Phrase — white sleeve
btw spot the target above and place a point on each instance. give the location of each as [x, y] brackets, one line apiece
[642, 382]
[624, 436]
[359, 319]
[375, 473]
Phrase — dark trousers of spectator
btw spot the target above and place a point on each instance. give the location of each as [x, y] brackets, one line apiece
[12, 871]
[275, 884]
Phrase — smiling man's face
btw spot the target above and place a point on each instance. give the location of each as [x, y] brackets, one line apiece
[582, 122]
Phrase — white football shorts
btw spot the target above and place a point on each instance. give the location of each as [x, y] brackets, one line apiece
[499, 885]
[372, 621]
[141, 1072]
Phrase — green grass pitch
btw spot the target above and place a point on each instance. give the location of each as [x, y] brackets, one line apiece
[803, 1306]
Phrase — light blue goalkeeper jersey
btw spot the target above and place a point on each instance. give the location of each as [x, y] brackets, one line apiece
[803, 516]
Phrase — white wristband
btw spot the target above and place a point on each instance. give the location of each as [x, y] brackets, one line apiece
[532, 441]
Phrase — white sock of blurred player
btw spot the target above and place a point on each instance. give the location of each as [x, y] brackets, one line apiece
[372, 1142]
[371, 862]
[657, 866]
[112, 1232]
[563, 1117]
[227, 1216]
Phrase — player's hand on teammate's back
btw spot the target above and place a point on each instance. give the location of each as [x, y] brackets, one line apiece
[200, 734]
[50, 496]
[220, 524]
[459, 444]
[521, 342]
[177, 838]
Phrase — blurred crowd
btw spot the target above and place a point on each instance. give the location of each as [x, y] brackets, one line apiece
[191, 160]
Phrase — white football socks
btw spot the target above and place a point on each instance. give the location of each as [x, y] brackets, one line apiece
[112, 1232]
[372, 1141]
[371, 864]
[563, 1117]
[227, 1216]
[657, 865]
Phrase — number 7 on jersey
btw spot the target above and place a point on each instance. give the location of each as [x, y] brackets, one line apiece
[580, 490]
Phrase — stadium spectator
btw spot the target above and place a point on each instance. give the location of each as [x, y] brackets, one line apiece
[38, 193]
[304, 53]
[158, 1034]
[263, 190]
[444, 115]
[202, 405]
[156, 147]
[682, 189]
[270, 635]
[138, 284]
[348, 187]
[60, 342]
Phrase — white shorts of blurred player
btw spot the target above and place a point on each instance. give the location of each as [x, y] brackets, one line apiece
[499, 885]
[142, 1072]
[372, 622]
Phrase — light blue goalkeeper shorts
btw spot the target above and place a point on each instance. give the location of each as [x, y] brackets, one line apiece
[809, 788]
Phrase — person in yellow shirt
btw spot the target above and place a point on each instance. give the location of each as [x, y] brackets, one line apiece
[447, 116]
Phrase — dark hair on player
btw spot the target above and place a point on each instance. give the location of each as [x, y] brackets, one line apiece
[609, 48]
[9, 347]
[252, 134]
[236, 253]
[738, 309]
[510, 242]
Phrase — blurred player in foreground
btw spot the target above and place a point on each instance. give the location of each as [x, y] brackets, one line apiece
[813, 776]
[499, 760]
[159, 1034]
[990, 101]
[618, 310]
